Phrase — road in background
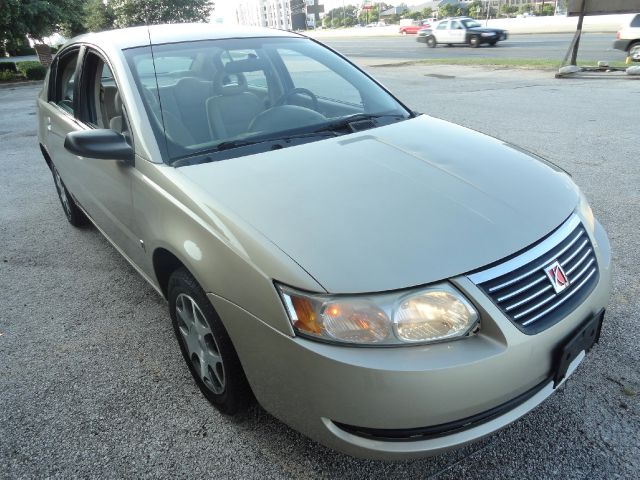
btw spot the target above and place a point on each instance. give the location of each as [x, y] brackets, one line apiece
[93, 385]
[593, 46]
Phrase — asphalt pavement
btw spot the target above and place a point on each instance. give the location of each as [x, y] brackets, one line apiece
[593, 46]
[92, 383]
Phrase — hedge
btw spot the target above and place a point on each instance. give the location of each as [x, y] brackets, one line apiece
[7, 76]
[31, 70]
[8, 67]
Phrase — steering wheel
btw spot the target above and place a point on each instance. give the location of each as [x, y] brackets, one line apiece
[284, 99]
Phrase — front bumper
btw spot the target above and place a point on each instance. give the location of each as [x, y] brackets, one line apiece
[322, 389]
[621, 45]
[499, 37]
[421, 38]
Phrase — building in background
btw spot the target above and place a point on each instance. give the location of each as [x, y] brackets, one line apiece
[284, 14]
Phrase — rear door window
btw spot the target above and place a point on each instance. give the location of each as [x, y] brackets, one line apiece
[65, 78]
[100, 101]
[635, 23]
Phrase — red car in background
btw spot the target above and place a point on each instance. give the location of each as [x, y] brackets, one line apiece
[415, 26]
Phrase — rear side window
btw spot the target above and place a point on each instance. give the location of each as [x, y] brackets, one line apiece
[636, 21]
[63, 92]
[442, 26]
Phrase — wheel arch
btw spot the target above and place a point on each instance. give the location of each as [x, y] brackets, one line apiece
[165, 263]
[47, 157]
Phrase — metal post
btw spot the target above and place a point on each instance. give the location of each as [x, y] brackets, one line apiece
[576, 44]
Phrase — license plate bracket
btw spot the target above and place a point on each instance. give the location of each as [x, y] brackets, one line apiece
[580, 340]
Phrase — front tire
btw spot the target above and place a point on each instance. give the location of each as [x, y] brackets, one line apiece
[431, 42]
[75, 216]
[474, 42]
[206, 346]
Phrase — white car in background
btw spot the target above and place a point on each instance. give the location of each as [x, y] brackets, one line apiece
[628, 38]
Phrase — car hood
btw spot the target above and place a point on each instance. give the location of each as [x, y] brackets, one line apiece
[392, 207]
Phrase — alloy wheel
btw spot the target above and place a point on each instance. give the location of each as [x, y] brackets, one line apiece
[200, 343]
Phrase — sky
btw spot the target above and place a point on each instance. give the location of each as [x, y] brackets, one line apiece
[226, 8]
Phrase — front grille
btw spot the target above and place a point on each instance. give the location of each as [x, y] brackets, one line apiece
[521, 289]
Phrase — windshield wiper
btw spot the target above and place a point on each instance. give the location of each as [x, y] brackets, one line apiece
[345, 122]
[275, 138]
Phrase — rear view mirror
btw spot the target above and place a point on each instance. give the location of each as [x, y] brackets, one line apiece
[101, 143]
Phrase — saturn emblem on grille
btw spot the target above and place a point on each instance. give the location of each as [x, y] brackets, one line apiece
[557, 277]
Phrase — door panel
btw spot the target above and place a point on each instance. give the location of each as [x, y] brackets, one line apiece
[105, 185]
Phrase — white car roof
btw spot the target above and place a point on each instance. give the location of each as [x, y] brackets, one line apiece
[178, 32]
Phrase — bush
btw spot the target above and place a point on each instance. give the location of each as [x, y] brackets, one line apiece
[23, 50]
[6, 76]
[32, 70]
[8, 67]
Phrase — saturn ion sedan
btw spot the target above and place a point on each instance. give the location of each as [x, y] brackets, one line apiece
[390, 284]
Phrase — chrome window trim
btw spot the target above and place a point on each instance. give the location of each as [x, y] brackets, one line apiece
[529, 255]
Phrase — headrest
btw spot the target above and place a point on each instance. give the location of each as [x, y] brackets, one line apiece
[227, 83]
[117, 104]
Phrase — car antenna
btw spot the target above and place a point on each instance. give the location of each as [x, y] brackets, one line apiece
[155, 75]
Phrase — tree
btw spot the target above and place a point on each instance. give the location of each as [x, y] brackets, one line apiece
[548, 9]
[37, 19]
[449, 11]
[508, 10]
[142, 12]
[427, 12]
[526, 8]
[475, 9]
[98, 16]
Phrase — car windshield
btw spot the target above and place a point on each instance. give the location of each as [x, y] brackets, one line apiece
[213, 99]
[470, 23]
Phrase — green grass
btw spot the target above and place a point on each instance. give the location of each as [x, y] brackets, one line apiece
[525, 63]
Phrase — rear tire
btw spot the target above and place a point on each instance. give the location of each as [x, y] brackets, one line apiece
[474, 42]
[75, 216]
[206, 346]
[431, 42]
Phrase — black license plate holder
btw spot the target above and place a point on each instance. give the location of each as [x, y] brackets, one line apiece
[580, 340]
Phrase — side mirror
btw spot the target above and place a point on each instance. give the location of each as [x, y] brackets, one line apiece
[101, 143]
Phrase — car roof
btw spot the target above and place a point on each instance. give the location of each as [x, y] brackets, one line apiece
[177, 32]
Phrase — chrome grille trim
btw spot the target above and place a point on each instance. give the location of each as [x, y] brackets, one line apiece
[576, 252]
[537, 267]
[529, 298]
[526, 294]
[520, 290]
[579, 262]
[561, 301]
[529, 255]
[535, 307]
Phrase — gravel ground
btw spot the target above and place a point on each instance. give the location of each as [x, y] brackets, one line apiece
[92, 383]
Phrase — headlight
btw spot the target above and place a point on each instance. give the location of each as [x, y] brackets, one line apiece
[584, 210]
[424, 315]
